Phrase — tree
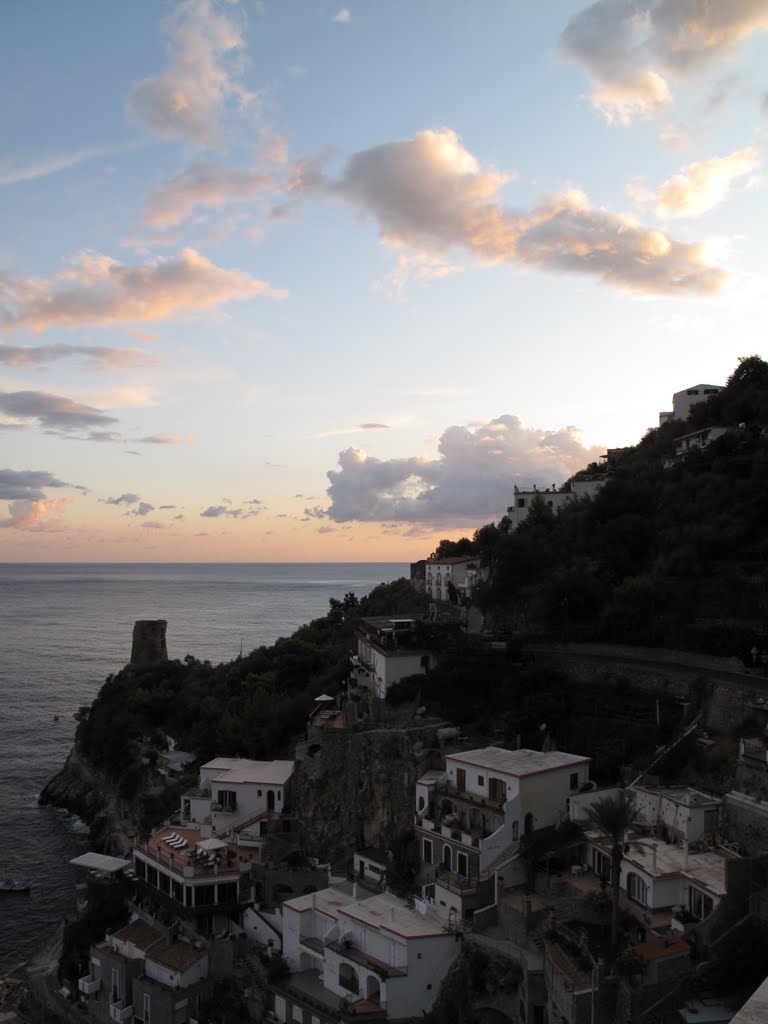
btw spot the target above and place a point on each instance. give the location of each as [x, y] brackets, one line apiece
[611, 817]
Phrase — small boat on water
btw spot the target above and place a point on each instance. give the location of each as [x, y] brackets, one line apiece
[9, 885]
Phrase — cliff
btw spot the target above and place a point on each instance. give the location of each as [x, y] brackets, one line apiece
[86, 792]
[356, 789]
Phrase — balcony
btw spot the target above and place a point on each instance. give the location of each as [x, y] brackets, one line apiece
[357, 956]
[120, 1012]
[88, 985]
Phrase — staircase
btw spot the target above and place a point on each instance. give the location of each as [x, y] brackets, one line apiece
[506, 854]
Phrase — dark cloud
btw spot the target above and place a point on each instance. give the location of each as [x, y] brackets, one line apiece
[29, 484]
[226, 511]
[142, 509]
[316, 512]
[53, 411]
[122, 499]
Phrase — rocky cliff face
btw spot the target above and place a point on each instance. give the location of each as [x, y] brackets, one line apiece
[84, 791]
[353, 789]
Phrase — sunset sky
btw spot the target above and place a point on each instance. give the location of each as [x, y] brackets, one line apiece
[295, 281]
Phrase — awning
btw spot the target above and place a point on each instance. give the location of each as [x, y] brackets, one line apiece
[100, 862]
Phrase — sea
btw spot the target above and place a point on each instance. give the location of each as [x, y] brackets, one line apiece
[63, 630]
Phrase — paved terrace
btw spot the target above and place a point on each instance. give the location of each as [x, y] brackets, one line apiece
[215, 859]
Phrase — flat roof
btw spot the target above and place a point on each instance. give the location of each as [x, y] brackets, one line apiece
[388, 912]
[706, 869]
[327, 901]
[178, 957]
[240, 769]
[100, 862]
[518, 762]
[139, 934]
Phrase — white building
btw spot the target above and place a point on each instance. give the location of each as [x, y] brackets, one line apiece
[232, 790]
[582, 486]
[683, 401]
[462, 572]
[470, 817]
[694, 441]
[388, 651]
[371, 951]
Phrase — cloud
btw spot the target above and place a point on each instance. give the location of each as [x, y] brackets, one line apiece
[471, 480]
[42, 167]
[342, 17]
[28, 484]
[52, 411]
[206, 185]
[700, 186]
[123, 499]
[33, 515]
[154, 525]
[429, 194]
[99, 290]
[98, 358]
[142, 509]
[217, 511]
[187, 100]
[158, 439]
[374, 426]
[315, 512]
[631, 49]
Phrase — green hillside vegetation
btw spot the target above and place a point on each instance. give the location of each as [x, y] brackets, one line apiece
[669, 555]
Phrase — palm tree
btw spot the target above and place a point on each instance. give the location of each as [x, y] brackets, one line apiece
[611, 817]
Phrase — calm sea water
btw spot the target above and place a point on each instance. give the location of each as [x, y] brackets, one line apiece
[63, 630]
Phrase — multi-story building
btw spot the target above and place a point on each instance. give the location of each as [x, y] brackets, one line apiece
[582, 486]
[387, 651]
[457, 576]
[233, 790]
[366, 955]
[683, 401]
[470, 817]
[139, 974]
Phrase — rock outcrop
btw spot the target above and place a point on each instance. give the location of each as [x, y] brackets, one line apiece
[86, 792]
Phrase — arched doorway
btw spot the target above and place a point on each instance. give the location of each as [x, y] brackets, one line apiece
[373, 990]
[447, 857]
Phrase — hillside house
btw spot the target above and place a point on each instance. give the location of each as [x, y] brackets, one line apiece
[694, 441]
[232, 790]
[364, 955]
[458, 575]
[683, 401]
[582, 486]
[138, 974]
[471, 816]
[387, 651]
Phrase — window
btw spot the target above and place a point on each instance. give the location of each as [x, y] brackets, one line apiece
[279, 1007]
[228, 799]
[348, 978]
[447, 857]
[146, 1008]
[481, 780]
[115, 985]
[637, 890]
[521, 502]
[574, 781]
[693, 391]
[601, 865]
[297, 1013]
[461, 865]
[497, 789]
[461, 780]
[699, 904]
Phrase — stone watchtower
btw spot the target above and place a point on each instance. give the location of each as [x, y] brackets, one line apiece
[149, 647]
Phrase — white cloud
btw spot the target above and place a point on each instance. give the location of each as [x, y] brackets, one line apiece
[470, 481]
[631, 49]
[206, 185]
[33, 515]
[701, 186]
[342, 16]
[188, 98]
[430, 195]
[99, 290]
